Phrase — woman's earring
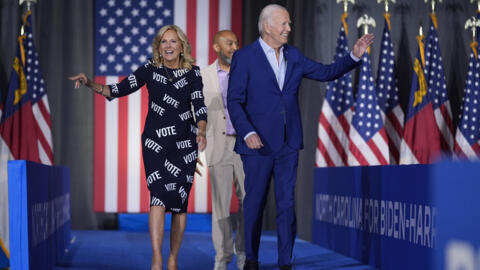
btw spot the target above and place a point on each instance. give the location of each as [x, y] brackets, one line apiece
[181, 54]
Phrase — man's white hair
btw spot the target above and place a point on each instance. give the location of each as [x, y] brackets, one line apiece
[266, 14]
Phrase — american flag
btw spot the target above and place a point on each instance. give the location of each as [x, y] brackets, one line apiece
[387, 94]
[124, 32]
[421, 132]
[336, 114]
[25, 125]
[437, 87]
[467, 138]
[368, 138]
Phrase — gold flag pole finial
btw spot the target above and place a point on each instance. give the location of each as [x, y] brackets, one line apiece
[478, 4]
[28, 3]
[420, 44]
[345, 4]
[387, 14]
[472, 23]
[345, 13]
[386, 3]
[432, 3]
[28, 8]
[366, 21]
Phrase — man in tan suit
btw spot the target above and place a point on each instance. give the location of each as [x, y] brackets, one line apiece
[224, 165]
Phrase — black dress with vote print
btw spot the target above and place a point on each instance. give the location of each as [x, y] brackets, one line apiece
[169, 136]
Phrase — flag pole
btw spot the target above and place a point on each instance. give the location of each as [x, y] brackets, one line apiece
[27, 8]
[386, 3]
[365, 21]
[472, 23]
[432, 3]
[387, 14]
[345, 4]
[345, 13]
[478, 4]
[28, 3]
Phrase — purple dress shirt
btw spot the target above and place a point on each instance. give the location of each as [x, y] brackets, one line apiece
[223, 82]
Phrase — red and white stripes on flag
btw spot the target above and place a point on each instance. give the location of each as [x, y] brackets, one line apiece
[387, 94]
[119, 175]
[467, 138]
[332, 144]
[437, 88]
[368, 138]
[394, 128]
[201, 19]
[41, 114]
[25, 123]
[336, 114]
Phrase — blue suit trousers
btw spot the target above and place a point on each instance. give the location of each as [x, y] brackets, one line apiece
[258, 172]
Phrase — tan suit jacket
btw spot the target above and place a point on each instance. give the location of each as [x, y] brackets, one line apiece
[217, 123]
[219, 152]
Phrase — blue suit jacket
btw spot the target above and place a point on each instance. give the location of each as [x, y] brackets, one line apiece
[256, 103]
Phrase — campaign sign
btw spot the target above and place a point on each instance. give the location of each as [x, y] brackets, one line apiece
[39, 214]
[380, 215]
[457, 196]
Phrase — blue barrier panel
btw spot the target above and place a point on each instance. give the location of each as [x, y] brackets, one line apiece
[457, 196]
[380, 215]
[39, 214]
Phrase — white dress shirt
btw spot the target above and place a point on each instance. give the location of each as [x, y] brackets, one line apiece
[279, 66]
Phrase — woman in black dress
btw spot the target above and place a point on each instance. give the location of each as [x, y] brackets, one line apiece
[171, 134]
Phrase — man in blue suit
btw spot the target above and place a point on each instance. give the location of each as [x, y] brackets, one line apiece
[263, 106]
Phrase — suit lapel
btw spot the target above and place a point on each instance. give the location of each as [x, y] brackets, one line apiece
[214, 77]
[289, 62]
[213, 73]
[265, 63]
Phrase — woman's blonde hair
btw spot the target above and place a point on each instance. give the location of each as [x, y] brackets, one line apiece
[186, 59]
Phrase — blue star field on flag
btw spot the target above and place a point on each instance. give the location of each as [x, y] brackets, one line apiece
[35, 83]
[34, 79]
[25, 125]
[469, 124]
[340, 91]
[124, 37]
[434, 71]
[387, 90]
[367, 119]
[336, 112]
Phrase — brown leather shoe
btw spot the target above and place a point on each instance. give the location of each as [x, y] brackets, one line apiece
[286, 267]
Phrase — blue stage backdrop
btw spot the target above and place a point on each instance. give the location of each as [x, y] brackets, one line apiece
[39, 214]
[457, 196]
[381, 215]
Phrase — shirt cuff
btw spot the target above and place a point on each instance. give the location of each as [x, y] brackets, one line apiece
[354, 57]
[248, 134]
